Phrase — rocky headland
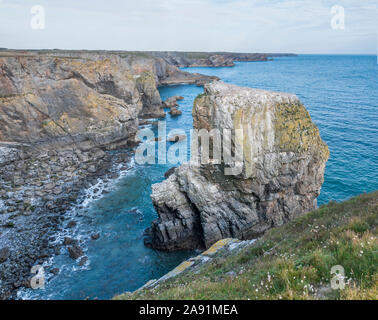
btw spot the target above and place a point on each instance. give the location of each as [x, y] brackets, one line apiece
[60, 112]
[282, 172]
[212, 59]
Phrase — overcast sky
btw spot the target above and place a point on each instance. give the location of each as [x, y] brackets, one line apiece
[300, 26]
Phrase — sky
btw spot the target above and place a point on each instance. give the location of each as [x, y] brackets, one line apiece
[298, 26]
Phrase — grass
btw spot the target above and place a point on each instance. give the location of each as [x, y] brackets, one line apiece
[293, 261]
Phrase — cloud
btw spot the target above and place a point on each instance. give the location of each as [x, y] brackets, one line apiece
[301, 26]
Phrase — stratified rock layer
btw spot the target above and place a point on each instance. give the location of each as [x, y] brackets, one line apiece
[282, 172]
[85, 99]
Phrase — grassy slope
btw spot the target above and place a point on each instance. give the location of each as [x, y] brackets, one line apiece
[293, 261]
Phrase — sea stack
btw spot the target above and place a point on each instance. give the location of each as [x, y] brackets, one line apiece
[282, 171]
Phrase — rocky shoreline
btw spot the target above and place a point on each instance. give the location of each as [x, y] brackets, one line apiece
[34, 206]
[60, 114]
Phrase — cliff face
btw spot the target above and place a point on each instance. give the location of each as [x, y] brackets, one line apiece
[210, 59]
[91, 99]
[50, 99]
[280, 178]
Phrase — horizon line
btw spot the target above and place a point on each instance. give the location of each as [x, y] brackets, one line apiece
[186, 51]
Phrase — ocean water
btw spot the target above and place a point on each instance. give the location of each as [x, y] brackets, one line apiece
[341, 94]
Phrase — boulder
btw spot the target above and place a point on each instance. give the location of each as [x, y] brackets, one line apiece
[83, 261]
[75, 252]
[277, 178]
[174, 112]
[4, 254]
[95, 236]
[171, 102]
[69, 241]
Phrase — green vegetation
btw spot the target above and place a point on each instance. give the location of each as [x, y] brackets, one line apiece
[198, 98]
[201, 95]
[8, 225]
[293, 261]
[135, 54]
[8, 95]
[195, 55]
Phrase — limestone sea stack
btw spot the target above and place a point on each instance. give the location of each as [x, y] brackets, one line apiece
[283, 165]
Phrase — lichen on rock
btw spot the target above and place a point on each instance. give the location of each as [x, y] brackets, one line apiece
[282, 172]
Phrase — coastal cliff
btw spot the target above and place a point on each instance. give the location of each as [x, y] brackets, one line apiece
[89, 98]
[212, 59]
[60, 112]
[281, 174]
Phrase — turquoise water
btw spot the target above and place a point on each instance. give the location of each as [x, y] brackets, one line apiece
[341, 94]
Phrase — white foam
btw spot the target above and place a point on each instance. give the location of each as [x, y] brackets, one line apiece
[88, 197]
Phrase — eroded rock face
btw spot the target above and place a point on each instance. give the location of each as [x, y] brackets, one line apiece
[63, 100]
[282, 171]
[81, 99]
